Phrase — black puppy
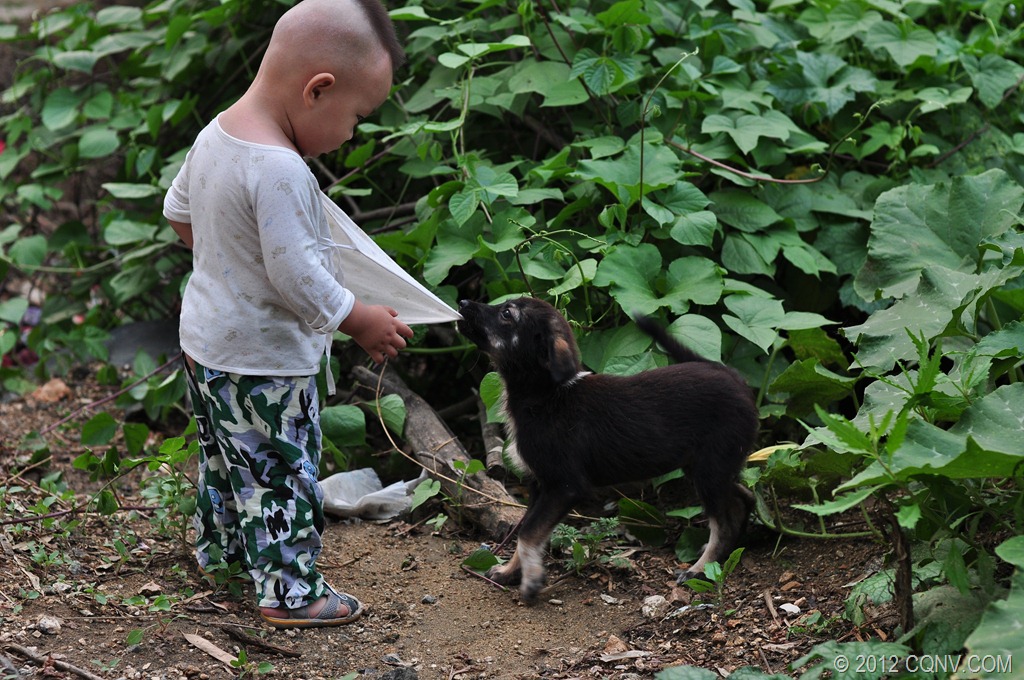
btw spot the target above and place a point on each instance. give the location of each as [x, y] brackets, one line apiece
[574, 430]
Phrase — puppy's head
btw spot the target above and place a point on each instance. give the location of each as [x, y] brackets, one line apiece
[527, 339]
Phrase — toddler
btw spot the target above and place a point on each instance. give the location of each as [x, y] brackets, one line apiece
[260, 308]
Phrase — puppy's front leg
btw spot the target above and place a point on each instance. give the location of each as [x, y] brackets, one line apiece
[526, 567]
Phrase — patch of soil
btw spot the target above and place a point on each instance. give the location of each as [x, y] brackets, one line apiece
[73, 599]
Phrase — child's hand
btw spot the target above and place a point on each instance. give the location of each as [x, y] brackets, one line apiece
[377, 330]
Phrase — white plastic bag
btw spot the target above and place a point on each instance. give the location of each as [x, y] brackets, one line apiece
[374, 278]
[360, 493]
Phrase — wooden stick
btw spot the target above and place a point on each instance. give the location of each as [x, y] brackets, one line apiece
[483, 500]
[57, 663]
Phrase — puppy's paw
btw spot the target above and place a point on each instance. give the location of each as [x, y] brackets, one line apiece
[505, 575]
[530, 590]
[684, 576]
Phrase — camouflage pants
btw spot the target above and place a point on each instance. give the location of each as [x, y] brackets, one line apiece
[259, 503]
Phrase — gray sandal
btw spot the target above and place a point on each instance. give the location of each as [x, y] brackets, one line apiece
[340, 608]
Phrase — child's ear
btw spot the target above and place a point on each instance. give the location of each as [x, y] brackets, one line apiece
[316, 86]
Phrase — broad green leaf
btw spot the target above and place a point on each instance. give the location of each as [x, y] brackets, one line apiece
[491, 391]
[344, 425]
[393, 411]
[696, 228]
[124, 231]
[905, 43]
[455, 246]
[917, 227]
[131, 191]
[99, 430]
[452, 60]
[992, 75]
[60, 109]
[462, 205]
[98, 142]
[29, 251]
[621, 176]
[693, 279]
[481, 560]
[743, 211]
[1012, 550]
[424, 491]
[629, 273]
[13, 310]
[119, 15]
[409, 13]
[823, 79]
[806, 383]
[754, 318]
[998, 636]
[745, 254]
[747, 130]
[82, 61]
[491, 184]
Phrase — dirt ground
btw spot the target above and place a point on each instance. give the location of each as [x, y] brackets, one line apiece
[69, 603]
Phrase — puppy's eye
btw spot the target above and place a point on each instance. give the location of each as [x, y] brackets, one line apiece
[506, 313]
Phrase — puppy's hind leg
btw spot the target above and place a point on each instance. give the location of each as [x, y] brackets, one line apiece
[727, 519]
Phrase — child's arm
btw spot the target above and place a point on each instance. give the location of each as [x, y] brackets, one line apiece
[183, 230]
[376, 329]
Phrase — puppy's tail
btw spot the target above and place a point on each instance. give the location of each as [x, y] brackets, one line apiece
[675, 349]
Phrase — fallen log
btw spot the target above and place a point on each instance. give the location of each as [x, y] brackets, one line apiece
[482, 500]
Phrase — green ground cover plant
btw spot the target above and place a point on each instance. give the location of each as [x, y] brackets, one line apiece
[826, 195]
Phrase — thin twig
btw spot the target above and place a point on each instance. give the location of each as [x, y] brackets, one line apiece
[57, 663]
[110, 397]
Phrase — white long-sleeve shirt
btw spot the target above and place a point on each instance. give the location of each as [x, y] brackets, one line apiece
[262, 299]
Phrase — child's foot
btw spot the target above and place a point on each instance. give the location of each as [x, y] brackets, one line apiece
[332, 609]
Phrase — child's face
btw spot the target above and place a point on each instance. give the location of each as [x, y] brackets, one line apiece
[338, 109]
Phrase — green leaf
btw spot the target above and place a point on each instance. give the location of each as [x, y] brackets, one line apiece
[747, 130]
[992, 75]
[82, 61]
[30, 251]
[755, 318]
[424, 491]
[839, 504]
[106, 502]
[699, 334]
[99, 430]
[693, 279]
[805, 383]
[344, 425]
[127, 190]
[125, 232]
[742, 210]
[393, 410]
[462, 205]
[60, 108]
[98, 142]
[621, 176]
[905, 43]
[491, 391]
[135, 437]
[1012, 550]
[917, 227]
[998, 636]
[481, 560]
[13, 311]
[628, 272]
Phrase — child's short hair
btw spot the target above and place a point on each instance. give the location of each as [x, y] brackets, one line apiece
[384, 29]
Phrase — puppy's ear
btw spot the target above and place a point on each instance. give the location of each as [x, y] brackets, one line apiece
[561, 356]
